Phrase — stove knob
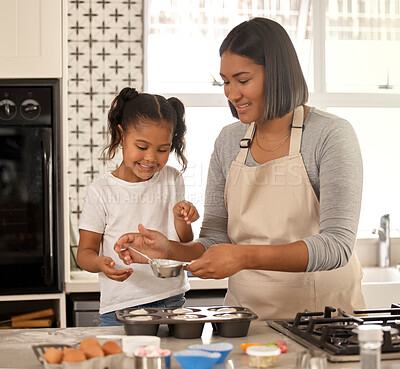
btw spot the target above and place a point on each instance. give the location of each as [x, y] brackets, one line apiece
[8, 110]
[30, 109]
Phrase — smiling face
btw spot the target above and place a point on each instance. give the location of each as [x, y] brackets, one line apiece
[244, 86]
[145, 151]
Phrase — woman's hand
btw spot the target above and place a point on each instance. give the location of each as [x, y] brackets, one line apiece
[107, 266]
[219, 261]
[185, 211]
[152, 243]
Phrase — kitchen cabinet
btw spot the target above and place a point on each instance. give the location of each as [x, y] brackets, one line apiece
[31, 38]
[20, 304]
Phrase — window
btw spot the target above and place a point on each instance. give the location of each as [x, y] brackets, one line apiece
[376, 131]
[363, 46]
[349, 51]
[183, 39]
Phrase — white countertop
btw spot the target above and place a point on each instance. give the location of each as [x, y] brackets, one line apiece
[82, 281]
[16, 351]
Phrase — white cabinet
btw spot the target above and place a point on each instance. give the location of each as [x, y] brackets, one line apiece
[21, 304]
[31, 38]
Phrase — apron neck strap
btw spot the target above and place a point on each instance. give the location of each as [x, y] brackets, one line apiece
[297, 130]
[295, 136]
[245, 143]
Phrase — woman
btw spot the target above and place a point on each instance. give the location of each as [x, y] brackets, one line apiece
[283, 193]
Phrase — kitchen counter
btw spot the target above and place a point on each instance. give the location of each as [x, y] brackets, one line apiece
[16, 352]
[82, 281]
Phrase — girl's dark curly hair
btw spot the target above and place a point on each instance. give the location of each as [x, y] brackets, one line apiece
[131, 109]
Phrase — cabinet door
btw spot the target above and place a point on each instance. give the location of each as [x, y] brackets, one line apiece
[30, 38]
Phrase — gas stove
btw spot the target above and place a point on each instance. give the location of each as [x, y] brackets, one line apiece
[333, 331]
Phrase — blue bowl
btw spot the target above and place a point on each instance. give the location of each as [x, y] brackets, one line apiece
[224, 348]
[196, 359]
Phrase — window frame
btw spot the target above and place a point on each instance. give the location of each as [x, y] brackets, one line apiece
[319, 97]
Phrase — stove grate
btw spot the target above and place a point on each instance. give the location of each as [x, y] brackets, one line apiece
[336, 335]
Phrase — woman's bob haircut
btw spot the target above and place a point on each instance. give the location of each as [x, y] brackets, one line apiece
[267, 43]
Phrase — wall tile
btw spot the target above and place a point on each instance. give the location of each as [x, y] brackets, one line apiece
[105, 53]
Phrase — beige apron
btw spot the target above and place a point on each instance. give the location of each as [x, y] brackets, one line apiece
[273, 204]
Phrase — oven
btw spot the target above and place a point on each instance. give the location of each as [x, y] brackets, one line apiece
[333, 331]
[31, 251]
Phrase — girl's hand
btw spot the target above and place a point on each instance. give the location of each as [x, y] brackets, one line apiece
[209, 264]
[152, 243]
[185, 211]
[107, 266]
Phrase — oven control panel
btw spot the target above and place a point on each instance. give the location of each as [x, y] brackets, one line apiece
[24, 105]
[8, 109]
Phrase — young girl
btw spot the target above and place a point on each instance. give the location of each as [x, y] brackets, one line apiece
[142, 190]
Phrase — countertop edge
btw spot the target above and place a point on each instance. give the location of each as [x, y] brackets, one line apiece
[92, 285]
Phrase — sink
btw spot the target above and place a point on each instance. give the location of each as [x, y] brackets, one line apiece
[381, 275]
[381, 286]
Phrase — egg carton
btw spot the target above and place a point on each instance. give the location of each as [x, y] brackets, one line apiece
[106, 362]
[188, 322]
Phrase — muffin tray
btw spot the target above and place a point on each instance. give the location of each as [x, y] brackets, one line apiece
[187, 322]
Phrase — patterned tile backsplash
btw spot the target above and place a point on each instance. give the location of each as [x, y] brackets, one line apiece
[105, 54]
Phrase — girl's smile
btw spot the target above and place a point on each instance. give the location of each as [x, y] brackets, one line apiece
[145, 151]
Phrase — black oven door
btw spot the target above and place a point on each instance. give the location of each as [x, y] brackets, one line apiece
[27, 253]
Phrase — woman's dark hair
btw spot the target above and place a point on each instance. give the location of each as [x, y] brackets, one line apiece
[267, 43]
[130, 109]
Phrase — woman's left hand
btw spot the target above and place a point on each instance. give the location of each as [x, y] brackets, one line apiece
[219, 261]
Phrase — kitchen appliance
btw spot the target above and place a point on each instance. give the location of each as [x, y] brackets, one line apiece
[85, 309]
[334, 331]
[30, 187]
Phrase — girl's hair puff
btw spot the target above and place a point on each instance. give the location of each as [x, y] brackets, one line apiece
[131, 109]
[267, 43]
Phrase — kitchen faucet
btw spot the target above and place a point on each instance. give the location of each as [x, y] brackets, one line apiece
[384, 241]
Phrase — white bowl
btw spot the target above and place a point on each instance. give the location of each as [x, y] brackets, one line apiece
[131, 343]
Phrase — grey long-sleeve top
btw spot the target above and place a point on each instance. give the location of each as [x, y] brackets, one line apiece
[332, 159]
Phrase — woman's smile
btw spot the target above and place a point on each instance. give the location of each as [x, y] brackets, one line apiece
[244, 86]
[242, 108]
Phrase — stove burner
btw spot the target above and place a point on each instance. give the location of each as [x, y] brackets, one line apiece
[335, 334]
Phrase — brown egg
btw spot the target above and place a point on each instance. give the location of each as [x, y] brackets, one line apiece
[66, 348]
[111, 348]
[88, 342]
[74, 356]
[91, 351]
[53, 355]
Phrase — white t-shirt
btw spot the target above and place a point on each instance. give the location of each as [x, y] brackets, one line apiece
[114, 207]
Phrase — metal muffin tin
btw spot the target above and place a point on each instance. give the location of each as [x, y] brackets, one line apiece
[188, 322]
